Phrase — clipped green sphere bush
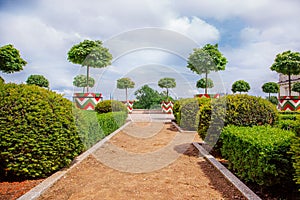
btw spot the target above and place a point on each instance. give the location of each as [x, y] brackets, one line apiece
[107, 106]
[240, 110]
[37, 131]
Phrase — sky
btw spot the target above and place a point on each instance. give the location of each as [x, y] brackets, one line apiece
[150, 40]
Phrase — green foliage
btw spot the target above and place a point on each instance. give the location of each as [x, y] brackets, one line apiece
[110, 106]
[38, 80]
[240, 86]
[167, 83]
[91, 54]
[296, 87]
[206, 59]
[241, 110]
[148, 98]
[88, 127]
[202, 83]
[81, 81]
[270, 87]
[37, 131]
[10, 59]
[259, 154]
[125, 83]
[273, 100]
[287, 63]
[295, 151]
[1, 80]
[109, 122]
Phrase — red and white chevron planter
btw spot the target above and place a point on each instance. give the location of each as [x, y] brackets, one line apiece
[289, 103]
[129, 106]
[167, 107]
[87, 101]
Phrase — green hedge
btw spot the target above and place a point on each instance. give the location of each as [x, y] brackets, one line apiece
[259, 154]
[107, 106]
[295, 151]
[239, 110]
[109, 122]
[37, 131]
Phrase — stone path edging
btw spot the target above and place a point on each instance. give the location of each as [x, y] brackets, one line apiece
[35, 192]
[247, 192]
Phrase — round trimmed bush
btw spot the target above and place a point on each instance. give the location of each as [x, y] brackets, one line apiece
[37, 131]
[240, 110]
[110, 106]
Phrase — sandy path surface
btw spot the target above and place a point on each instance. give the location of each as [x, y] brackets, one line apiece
[144, 161]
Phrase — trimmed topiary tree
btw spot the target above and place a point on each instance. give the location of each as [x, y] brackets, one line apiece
[37, 131]
[10, 59]
[110, 106]
[167, 83]
[296, 87]
[202, 83]
[270, 87]
[240, 86]
[38, 80]
[81, 81]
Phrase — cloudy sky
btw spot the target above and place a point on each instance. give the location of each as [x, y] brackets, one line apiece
[150, 39]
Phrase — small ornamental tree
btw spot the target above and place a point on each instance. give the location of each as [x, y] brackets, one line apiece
[125, 83]
[10, 59]
[205, 60]
[296, 87]
[81, 81]
[38, 80]
[287, 63]
[240, 86]
[270, 87]
[90, 54]
[167, 83]
[202, 83]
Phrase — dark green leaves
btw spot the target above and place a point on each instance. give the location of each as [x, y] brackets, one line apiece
[287, 63]
[38, 80]
[240, 86]
[124, 83]
[202, 83]
[167, 83]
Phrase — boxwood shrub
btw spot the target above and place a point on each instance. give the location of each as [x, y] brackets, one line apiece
[107, 106]
[295, 151]
[240, 110]
[109, 122]
[259, 154]
[37, 131]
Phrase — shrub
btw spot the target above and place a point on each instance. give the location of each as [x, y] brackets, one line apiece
[295, 150]
[1, 80]
[37, 131]
[241, 110]
[110, 106]
[109, 122]
[273, 100]
[88, 127]
[258, 154]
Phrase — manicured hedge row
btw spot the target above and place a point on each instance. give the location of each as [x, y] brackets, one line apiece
[38, 135]
[109, 122]
[107, 106]
[295, 150]
[259, 154]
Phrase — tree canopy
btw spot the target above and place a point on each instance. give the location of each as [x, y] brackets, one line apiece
[81, 81]
[202, 83]
[296, 87]
[125, 83]
[90, 54]
[38, 80]
[270, 87]
[287, 63]
[240, 86]
[206, 59]
[167, 83]
[147, 98]
[10, 59]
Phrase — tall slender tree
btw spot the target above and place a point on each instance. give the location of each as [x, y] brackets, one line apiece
[287, 63]
[205, 60]
[270, 87]
[125, 83]
[90, 54]
[167, 83]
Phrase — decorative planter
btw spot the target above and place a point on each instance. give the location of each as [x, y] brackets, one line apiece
[208, 95]
[289, 103]
[167, 107]
[129, 106]
[87, 101]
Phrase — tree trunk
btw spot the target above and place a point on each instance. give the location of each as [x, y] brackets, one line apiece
[82, 89]
[290, 84]
[87, 78]
[206, 74]
[269, 95]
[167, 94]
[126, 96]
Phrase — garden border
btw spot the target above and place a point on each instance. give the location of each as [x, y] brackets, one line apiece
[35, 192]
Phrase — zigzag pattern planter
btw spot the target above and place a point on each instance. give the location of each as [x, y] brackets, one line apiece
[167, 107]
[87, 101]
[129, 106]
[207, 95]
[289, 103]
